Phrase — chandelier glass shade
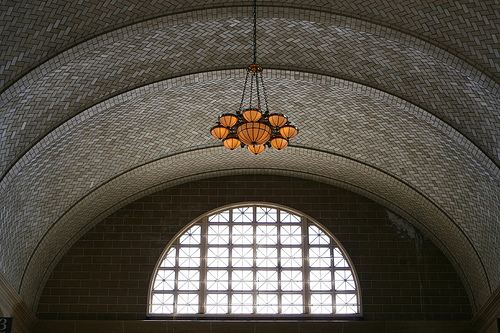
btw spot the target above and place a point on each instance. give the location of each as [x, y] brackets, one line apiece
[254, 133]
[253, 126]
[231, 142]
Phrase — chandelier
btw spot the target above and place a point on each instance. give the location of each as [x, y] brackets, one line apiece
[254, 127]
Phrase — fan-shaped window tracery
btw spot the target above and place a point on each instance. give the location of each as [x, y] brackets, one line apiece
[254, 260]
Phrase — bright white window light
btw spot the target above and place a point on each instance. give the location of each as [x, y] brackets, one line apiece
[192, 236]
[242, 280]
[217, 303]
[291, 280]
[165, 280]
[291, 257]
[242, 304]
[163, 303]
[320, 257]
[291, 303]
[254, 260]
[267, 303]
[187, 303]
[267, 257]
[217, 257]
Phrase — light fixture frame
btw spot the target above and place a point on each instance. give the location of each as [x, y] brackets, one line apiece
[255, 93]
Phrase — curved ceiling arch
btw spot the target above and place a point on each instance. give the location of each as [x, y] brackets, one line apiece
[441, 24]
[337, 46]
[390, 134]
[130, 186]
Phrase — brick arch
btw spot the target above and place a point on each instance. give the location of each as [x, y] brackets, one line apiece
[391, 116]
[342, 47]
[443, 25]
[121, 272]
[418, 209]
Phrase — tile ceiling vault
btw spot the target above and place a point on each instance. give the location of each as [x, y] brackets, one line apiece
[102, 103]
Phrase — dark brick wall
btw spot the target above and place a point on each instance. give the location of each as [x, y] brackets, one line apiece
[106, 274]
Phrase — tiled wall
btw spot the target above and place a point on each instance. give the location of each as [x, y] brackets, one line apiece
[106, 274]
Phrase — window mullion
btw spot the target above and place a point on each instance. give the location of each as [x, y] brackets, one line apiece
[305, 266]
[203, 266]
[176, 276]
[313, 289]
[278, 248]
[254, 268]
[230, 266]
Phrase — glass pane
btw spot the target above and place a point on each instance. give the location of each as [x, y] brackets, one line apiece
[264, 277]
[218, 234]
[221, 217]
[243, 215]
[291, 280]
[242, 280]
[242, 303]
[169, 260]
[346, 303]
[292, 303]
[338, 258]
[242, 257]
[320, 280]
[344, 280]
[317, 237]
[189, 257]
[162, 303]
[217, 257]
[321, 303]
[217, 279]
[191, 237]
[266, 215]
[267, 303]
[187, 303]
[320, 257]
[267, 257]
[287, 217]
[216, 303]
[267, 235]
[291, 234]
[165, 280]
[267, 280]
[291, 257]
[242, 235]
[188, 280]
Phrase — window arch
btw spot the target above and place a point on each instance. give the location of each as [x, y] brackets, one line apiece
[254, 260]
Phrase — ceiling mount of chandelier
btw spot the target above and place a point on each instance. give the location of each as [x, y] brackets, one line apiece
[254, 126]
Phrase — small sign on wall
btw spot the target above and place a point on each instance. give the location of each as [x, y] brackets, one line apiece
[5, 325]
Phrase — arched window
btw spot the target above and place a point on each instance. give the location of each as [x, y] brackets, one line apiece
[254, 260]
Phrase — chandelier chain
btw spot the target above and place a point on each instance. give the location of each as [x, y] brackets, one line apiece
[255, 31]
[251, 90]
[264, 93]
[243, 96]
[257, 89]
[254, 127]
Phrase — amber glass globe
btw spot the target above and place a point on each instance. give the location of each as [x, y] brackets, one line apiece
[219, 132]
[254, 134]
[256, 149]
[231, 142]
[289, 131]
[279, 143]
[277, 119]
[252, 115]
[228, 119]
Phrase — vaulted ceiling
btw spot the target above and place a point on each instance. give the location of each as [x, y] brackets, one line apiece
[103, 102]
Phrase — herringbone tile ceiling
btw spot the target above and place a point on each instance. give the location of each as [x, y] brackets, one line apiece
[103, 102]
